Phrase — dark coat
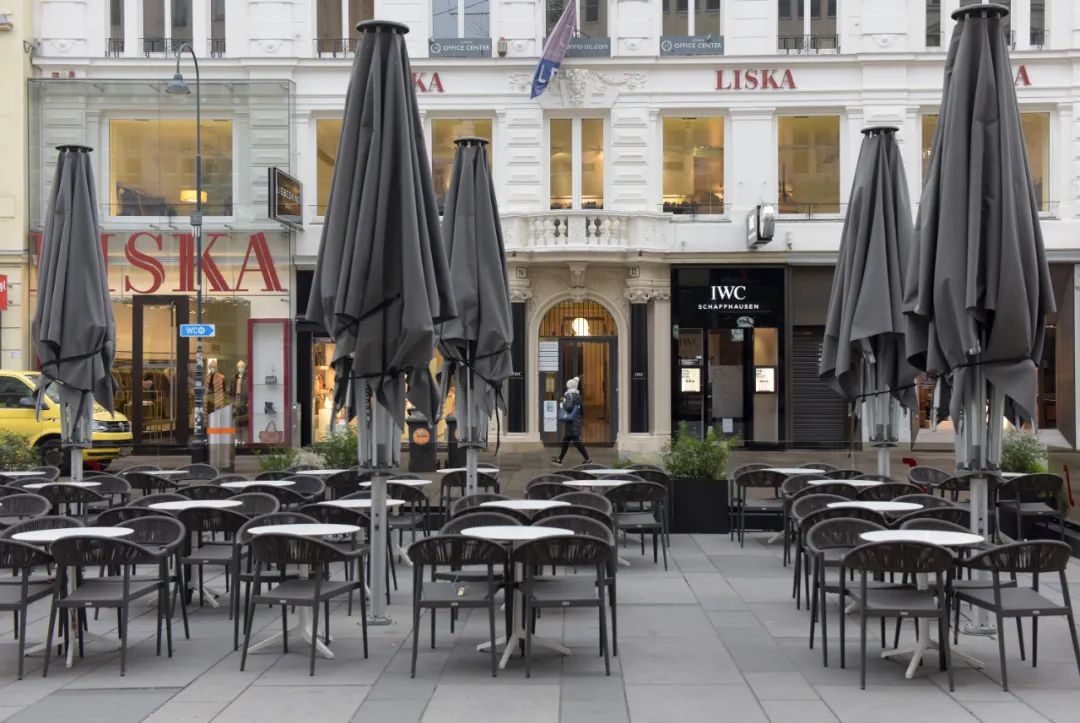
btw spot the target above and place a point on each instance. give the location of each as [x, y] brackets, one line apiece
[572, 405]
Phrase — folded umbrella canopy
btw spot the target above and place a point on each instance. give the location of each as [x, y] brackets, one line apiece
[475, 345]
[978, 288]
[73, 330]
[863, 355]
[381, 279]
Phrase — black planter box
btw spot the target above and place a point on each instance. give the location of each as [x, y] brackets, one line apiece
[699, 505]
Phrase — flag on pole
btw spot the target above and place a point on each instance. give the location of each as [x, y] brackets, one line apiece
[554, 49]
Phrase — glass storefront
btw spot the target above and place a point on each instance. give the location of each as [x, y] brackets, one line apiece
[694, 165]
[808, 172]
[727, 371]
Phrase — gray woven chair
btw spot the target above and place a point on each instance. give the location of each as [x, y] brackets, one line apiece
[343, 483]
[114, 488]
[272, 475]
[1031, 497]
[640, 509]
[478, 518]
[199, 471]
[590, 512]
[147, 500]
[23, 506]
[1026, 558]
[887, 491]
[228, 477]
[929, 502]
[163, 537]
[557, 477]
[206, 492]
[452, 487]
[254, 504]
[809, 517]
[309, 487]
[768, 507]
[451, 554]
[906, 558]
[546, 490]
[822, 466]
[577, 474]
[47, 470]
[470, 502]
[845, 474]
[802, 504]
[927, 477]
[46, 522]
[586, 499]
[21, 591]
[955, 515]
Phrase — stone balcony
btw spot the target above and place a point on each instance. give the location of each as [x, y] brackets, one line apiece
[587, 231]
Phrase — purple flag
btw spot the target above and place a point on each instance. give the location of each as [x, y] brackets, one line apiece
[554, 49]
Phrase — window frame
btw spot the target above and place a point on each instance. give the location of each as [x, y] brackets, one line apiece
[840, 154]
[604, 7]
[462, 115]
[725, 119]
[690, 11]
[317, 216]
[577, 160]
[106, 132]
[460, 34]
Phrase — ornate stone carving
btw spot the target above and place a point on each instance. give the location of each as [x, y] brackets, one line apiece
[519, 82]
[574, 82]
[638, 295]
[520, 294]
[883, 40]
[629, 81]
[269, 46]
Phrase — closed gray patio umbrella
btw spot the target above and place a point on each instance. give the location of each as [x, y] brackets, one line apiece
[381, 280]
[863, 355]
[475, 345]
[978, 289]
[73, 329]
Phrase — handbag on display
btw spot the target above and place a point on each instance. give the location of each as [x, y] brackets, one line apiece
[271, 378]
[271, 435]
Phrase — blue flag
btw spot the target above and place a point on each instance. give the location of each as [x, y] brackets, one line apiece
[554, 49]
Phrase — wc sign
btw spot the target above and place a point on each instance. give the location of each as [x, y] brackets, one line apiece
[3, 293]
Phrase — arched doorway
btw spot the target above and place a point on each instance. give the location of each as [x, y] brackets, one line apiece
[577, 339]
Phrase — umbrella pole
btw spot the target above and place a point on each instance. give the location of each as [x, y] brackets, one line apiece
[471, 451]
[980, 423]
[374, 453]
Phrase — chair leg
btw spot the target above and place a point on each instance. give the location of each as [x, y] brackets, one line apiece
[1020, 637]
[603, 627]
[843, 622]
[1034, 642]
[491, 632]
[663, 551]
[22, 642]
[363, 607]
[49, 636]
[1001, 651]
[824, 619]
[314, 632]
[284, 628]
[1072, 633]
[164, 612]
[181, 585]
[614, 619]
[944, 638]
[249, 615]
[862, 649]
[528, 637]
[813, 600]
[123, 638]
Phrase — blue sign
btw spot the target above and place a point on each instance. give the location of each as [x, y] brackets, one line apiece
[197, 330]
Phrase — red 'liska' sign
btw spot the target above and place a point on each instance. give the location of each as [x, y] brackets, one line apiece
[755, 79]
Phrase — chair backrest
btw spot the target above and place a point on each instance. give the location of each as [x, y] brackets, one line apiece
[206, 492]
[343, 483]
[274, 474]
[140, 468]
[903, 557]
[955, 515]
[641, 466]
[81, 551]
[276, 548]
[25, 505]
[927, 501]
[839, 489]
[477, 519]
[307, 485]
[545, 478]
[805, 503]
[925, 476]
[1042, 487]
[591, 465]
[256, 503]
[649, 475]
[570, 550]
[888, 491]
[821, 466]
[546, 490]
[16, 555]
[284, 495]
[22, 482]
[832, 513]
[879, 477]
[590, 512]
[751, 467]
[229, 477]
[118, 515]
[406, 475]
[8, 489]
[845, 474]
[147, 500]
[960, 483]
[111, 485]
[586, 499]
[456, 551]
[301, 468]
[212, 519]
[414, 497]
[161, 530]
[579, 524]
[630, 477]
[461, 504]
[637, 492]
[928, 523]
[839, 532]
[578, 474]
[759, 479]
[274, 518]
[45, 522]
[63, 494]
[1032, 556]
[148, 482]
[799, 482]
[47, 470]
[198, 470]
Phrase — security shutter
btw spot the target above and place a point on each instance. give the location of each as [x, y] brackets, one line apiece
[820, 414]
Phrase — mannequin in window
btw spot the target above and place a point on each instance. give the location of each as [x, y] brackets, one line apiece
[239, 387]
[215, 387]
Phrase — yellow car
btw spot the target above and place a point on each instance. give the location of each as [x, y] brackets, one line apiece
[111, 433]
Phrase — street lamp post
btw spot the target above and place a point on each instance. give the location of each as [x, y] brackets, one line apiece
[177, 86]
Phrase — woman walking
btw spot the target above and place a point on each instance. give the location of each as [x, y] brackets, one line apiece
[570, 415]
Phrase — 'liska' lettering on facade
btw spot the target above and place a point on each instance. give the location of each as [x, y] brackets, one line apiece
[425, 84]
[755, 79]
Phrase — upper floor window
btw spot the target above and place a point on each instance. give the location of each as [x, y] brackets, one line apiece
[1006, 22]
[217, 28]
[694, 165]
[152, 167]
[1036, 127]
[460, 19]
[576, 163]
[444, 131]
[806, 26]
[591, 17]
[1038, 23]
[933, 24]
[335, 24]
[327, 139]
[691, 17]
[114, 45]
[808, 153]
[167, 25]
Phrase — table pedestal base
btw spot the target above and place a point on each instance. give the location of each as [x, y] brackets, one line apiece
[302, 628]
[927, 645]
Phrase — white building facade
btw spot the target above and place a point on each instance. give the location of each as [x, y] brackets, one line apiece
[624, 189]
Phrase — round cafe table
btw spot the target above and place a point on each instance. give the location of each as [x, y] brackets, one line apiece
[244, 484]
[925, 643]
[511, 534]
[45, 537]
[403, 482]
[391, 503]
[178, 505]
[303, 623]
[39, 485]
[322, 472]
[21, 473]
[852, 482]
[598, 483]
[793, 470]
[525, 505]
[876, 506]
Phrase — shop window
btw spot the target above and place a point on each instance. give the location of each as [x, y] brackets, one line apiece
[443, 133]
[1036, 127]
[576, 163]
[591, 17]
[327, 138]
[694, 165]
[460, 19]
[933, 23]
[809, 164]
[152, 167]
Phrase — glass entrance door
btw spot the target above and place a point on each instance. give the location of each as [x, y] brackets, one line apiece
[592, 361]
[161, 366]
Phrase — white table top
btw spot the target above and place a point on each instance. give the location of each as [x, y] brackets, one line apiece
[877, 506]
[22, 473]
[485, 470]
[39, 485]
[514, 533]
[525, 505]
[241, 484]
[308, 529]
[793, 470]
[323, 472]
[852, 482]
[607, 470]
[1005, 475]
[167, 472]
[403, 482]
[934, 537]
[177, 505]
[360, 504]
[596, 482]
[61, 533]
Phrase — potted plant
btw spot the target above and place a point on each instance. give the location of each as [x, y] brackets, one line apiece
[699, 488]
[277, 459]
[16, 452]
[338, 450]
[1021, 451]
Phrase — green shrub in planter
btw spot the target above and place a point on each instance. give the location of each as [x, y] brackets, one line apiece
[278, 459]
[16, 452]
[1021, 451]
[338, 451]
[687, 456]
[699, 492]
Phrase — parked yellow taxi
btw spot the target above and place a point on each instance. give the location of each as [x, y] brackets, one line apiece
[111, 433]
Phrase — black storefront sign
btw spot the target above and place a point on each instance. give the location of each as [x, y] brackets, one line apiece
[459, 48]
[286, 198]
